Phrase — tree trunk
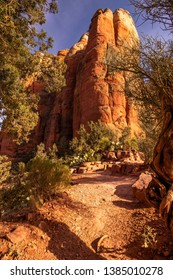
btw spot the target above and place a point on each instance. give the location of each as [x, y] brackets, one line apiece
[160, 190]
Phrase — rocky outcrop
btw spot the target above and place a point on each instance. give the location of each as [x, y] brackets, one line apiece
[92, 92]
[99, 94]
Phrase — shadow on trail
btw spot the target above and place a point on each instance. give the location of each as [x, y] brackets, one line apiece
[129, 205]
[128, 200]
[63, 243]
[101, 177]
[66, 245]
[124, 191]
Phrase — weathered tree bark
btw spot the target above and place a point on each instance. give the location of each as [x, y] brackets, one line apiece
[160, 190]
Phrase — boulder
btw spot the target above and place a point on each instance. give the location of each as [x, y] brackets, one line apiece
[140, 186]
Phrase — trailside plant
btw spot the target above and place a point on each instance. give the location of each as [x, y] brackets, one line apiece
[91, 143]
[36, 182]
[5, 167]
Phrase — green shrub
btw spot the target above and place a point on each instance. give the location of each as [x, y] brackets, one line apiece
[146, 146]
[126, 141]
[36, 182]
[46, 177]
[5, 167]
[91, 144]
[14, 197]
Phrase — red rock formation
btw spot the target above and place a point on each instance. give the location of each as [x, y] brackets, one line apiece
[98, 94]
[91, 92]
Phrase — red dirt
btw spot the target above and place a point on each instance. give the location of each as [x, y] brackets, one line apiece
[71, 225]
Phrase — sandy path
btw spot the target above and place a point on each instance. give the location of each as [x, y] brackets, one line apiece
[96, 205]
[104, 205]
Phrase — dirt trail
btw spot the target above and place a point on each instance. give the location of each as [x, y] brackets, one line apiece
[70, 226]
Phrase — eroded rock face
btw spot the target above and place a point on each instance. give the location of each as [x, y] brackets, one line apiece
[99, 94]
[92, 93]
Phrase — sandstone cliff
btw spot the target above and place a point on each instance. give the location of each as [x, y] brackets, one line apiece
[91, 92]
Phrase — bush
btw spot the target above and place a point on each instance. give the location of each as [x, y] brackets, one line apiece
[146, 146]
[91, 144]
[14, 197]
[126, 140]
[36, 182]
[46, 177]
[5, 167]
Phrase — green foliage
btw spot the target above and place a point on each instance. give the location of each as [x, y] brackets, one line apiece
[89, 145]
[146, 146]
[19, 38]
[19, 19]
[5, 167]
[36, 182]
[126, 141]
[45, 178]
[13, 198]
[148, 73]
[151, 123]
[149, 237]
[125, 137]
[41, 152]
[156, 11]
[19, 108]
[50, 72]
[46, 174]
[52, 152]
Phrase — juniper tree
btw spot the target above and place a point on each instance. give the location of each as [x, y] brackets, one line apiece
[19, 37]
[156, 11]
[148, 73]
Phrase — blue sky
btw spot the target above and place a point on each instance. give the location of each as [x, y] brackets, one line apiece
[74, 16]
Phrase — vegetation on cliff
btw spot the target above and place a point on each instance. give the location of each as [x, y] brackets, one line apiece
[5, 168]
[50, 72]
[19, 38]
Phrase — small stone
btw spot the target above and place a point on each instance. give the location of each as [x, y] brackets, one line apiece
[4, 247]
[82, 170]
[19, 234]
[42, 225]
[31, 250]
[31, 216]
[166, 253]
